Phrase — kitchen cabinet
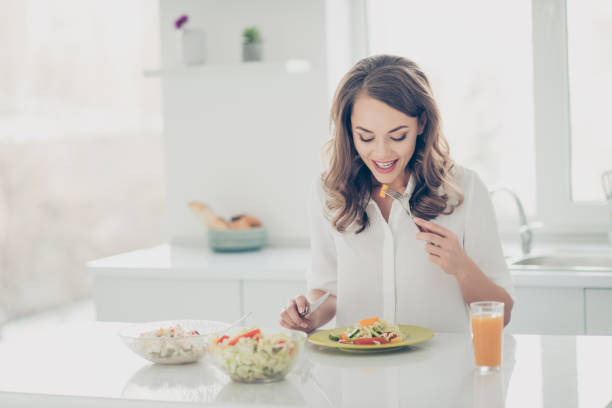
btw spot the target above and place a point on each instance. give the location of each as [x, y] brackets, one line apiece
[173, 282]
[265, 299]
[598, 311]
[136, 300]
[547, 311]
[170, 281]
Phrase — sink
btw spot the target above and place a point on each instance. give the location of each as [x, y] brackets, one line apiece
[574, 262]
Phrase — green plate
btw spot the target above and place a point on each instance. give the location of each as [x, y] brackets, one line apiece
[411, 335]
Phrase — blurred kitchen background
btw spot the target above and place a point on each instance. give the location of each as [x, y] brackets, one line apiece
[106, 134]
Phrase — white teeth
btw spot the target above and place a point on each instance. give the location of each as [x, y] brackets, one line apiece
[385, 165]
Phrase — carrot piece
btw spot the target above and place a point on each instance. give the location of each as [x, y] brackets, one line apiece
[368, 322]
[344, 337]
[382, 190]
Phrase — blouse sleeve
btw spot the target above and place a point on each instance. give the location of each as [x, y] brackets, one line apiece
[481, 240]
[322, 271]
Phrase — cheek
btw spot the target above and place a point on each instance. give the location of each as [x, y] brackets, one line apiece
[406, 150]
[362, 149]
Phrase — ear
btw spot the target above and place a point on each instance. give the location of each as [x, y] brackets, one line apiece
[422, 122]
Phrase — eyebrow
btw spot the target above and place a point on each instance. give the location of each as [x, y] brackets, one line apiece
[391, 131]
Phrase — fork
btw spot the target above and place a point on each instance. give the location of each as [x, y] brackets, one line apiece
[315, 305]
[606, 182]
[403, 200]
[231, 326]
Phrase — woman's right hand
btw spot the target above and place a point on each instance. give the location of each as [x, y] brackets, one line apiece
[293, 315]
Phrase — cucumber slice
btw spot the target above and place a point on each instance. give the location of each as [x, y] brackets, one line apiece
[354, 333]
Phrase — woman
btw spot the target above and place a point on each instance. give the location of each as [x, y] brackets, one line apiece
[366, 250]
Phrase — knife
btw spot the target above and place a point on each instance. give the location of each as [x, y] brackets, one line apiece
[315, 305]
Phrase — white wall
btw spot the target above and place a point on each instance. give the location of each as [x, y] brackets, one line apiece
[245, 140]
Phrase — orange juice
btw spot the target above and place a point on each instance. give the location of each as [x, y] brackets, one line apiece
[487, 329]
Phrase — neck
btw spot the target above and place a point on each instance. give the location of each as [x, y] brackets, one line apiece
[398, 184]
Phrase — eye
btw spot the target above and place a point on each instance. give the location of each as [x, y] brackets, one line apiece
[365, 140]
[399, 139]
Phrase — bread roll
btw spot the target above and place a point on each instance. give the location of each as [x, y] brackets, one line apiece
[252, 221]
[240, 223]
[207, 215]
[244, 222]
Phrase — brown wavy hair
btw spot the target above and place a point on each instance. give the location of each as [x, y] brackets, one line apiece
[348, 182]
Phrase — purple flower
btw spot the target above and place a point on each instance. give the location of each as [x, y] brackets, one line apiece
[180, 21]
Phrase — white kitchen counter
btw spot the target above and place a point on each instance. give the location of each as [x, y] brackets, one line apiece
[270, 263]
[86, 364]
[171, 281]
[289, 264]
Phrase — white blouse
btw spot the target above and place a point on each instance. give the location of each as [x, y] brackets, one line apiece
[385, 271]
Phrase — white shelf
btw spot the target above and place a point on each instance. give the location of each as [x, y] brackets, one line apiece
[290, 66]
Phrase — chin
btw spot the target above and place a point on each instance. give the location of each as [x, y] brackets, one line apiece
[384, 178]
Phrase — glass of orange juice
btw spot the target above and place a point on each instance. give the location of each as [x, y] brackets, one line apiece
[487, 327]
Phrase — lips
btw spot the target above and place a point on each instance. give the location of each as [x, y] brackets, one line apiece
[385, 167]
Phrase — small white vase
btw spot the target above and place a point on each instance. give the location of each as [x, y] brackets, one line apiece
[192, 46]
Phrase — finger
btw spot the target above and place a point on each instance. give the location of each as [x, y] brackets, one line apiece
[288, 320]
[287, 325]
[302, 305]
[435, 259]
[433, 249]
[433, 227]
[295, 317]
[429, 237]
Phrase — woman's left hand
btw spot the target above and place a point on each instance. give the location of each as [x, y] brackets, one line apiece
[443, 247]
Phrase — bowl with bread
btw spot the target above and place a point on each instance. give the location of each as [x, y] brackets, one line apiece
[241, 232]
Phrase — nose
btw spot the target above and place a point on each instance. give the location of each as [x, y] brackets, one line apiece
[382, 149]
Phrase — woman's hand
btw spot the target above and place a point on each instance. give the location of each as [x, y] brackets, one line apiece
[445, 251]
[292, 316]
[444, 248]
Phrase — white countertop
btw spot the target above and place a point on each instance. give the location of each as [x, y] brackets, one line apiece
[290, 263]
[86, 364]
[193, 262]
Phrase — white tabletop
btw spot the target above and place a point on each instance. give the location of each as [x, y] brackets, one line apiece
[88, 364]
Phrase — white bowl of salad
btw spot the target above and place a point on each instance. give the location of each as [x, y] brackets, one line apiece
[256, 355]
[171, 341]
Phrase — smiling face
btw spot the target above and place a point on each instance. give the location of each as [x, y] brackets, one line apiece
[385, 139]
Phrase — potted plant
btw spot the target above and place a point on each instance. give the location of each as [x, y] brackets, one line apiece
[192, 47]
[252, 49]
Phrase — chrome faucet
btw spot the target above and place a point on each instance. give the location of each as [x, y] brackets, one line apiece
[525, 229]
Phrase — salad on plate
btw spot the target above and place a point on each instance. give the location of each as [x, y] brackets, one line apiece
[371, 331]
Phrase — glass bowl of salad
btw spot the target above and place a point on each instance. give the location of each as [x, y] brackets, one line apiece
[256, 355]
[171, 341]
